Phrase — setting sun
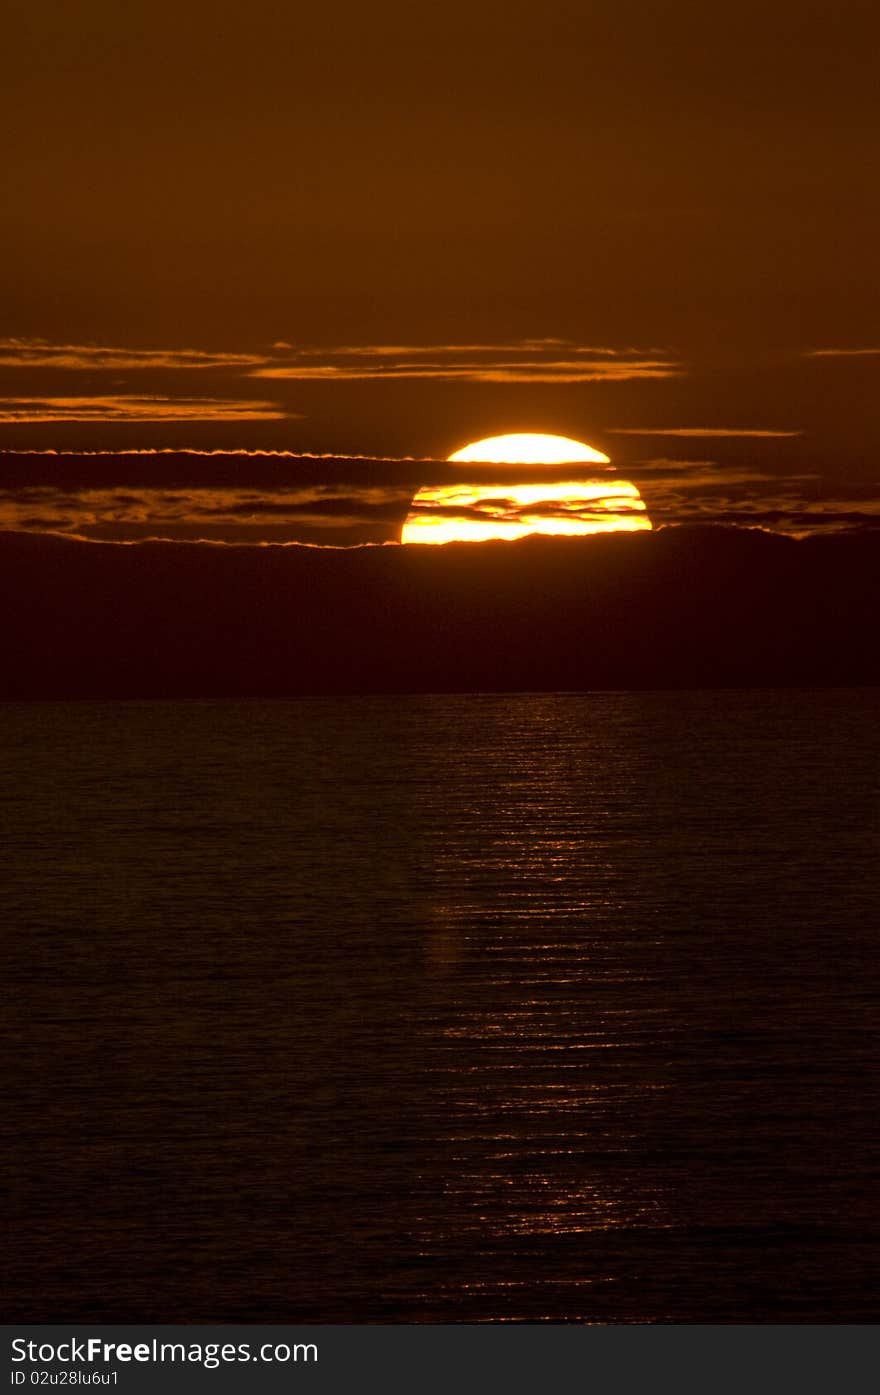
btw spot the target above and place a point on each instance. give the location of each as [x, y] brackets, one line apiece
[529, 448]
[508, 509]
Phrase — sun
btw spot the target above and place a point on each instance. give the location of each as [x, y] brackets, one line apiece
[529, 448]
[498, 506]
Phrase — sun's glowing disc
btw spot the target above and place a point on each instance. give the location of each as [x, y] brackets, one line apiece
[529, 448]
[510, 509]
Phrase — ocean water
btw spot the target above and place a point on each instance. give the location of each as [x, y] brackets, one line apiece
[513, 1008]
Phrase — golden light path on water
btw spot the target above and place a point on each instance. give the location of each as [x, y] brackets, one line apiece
[508, 510]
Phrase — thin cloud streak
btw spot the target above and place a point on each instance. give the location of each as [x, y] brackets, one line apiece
[35, 410]
[527, 361]
[424, 350]
[842, 353]
[39, 353]
[474, 373]
[700, 431]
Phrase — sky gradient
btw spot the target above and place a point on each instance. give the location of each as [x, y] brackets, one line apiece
[384, 232]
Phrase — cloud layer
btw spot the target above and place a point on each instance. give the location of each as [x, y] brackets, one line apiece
[527, 361]
[278, 497]
[44, 382]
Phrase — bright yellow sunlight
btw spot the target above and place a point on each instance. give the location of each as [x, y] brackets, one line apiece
[529, 448]
[503, 509]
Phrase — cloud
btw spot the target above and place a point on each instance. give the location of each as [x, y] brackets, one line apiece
[280, 497]
[682, 607]
[308, 513]
[536, 372]
[110, 408]
[700, 431]
[32, 368]
[796, 503]
[40, 353]
[842, 353]
[265, 470]
[479, 512]
[695, 474]
[525, 361]
[517, 346]
[792, 521]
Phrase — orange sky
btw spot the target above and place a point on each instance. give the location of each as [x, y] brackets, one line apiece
[389, 230]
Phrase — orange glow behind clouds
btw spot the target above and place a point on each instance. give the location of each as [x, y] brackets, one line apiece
[480, 512]
[476, 513]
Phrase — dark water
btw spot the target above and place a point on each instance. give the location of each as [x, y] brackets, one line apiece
[444, 1009]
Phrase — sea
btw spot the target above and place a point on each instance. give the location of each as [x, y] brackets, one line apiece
[525, 1008]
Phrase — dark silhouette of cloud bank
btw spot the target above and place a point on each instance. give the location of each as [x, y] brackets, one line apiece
[682, 607]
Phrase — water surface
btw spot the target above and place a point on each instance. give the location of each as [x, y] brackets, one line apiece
[479, 1008]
